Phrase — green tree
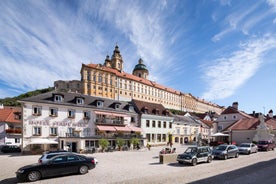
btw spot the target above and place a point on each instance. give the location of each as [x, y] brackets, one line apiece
[134, 141]
[120, 142]
[103, 143]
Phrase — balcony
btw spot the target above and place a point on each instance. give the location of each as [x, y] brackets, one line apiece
[109, 122]
[13, 131]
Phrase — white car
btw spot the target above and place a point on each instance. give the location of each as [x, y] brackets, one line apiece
[248, 148]
[48, 155]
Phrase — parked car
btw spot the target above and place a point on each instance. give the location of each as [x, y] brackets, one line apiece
[248, 148]
[194, 155]
[48, 155]
[225, 151]
[57, 166]
[10, 149]
[266, 145]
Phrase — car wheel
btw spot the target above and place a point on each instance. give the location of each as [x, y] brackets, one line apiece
[237, 155]
[83, 169]
[249, 152]
[194, 162]
[209, 159]
[225, 157]
[33, 176]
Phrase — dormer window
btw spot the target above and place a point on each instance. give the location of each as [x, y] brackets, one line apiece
[145, 110]
[79, 101]
[99, 103]
[58, 98]
[117, 105]
[130, 108]
[155, 111]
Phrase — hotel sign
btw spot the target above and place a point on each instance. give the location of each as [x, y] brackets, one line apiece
[56, 123]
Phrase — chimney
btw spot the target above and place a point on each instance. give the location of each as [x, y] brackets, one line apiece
[270, 113]
[235, 105]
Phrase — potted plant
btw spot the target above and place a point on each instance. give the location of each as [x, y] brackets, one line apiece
[120, 142]
[103, 143]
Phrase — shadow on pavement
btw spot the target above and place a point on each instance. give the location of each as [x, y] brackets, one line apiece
[265, 172]
[9, 181]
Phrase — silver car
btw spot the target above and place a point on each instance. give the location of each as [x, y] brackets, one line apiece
[248, 148]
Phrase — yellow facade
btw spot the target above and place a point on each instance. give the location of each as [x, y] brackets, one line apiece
[112, 82]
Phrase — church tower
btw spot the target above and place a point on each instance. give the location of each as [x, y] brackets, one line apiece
[141, 70]
[117, 60]
[107, 62]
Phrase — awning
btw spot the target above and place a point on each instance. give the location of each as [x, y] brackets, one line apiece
[103, 113]
[135, 129]
[43, 141]
[123, 129]
[218, 134]
[110, 113]
[106, 128]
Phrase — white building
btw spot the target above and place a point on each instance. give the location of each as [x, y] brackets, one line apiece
[72, 121]
[10, 125]
[155, 122]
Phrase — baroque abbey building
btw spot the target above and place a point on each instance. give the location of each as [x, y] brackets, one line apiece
[110, 81]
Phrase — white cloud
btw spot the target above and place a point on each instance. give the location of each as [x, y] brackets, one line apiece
[227, 74]
[272, 3]
[235, 21]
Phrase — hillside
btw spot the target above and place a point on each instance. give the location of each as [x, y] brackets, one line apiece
[13, 101]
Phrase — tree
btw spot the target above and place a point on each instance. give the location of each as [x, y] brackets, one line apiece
[120, 142]
[103, 143]
[134, 141]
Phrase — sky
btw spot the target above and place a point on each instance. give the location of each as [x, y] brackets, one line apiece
[223, 51]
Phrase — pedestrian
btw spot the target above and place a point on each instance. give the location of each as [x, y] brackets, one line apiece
[148, 146]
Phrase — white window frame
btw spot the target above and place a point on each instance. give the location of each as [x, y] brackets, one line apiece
[86, 114]
[37, 131]
[99, 104]
[58, 98]
[80, 101]
[53, 111]
[53, 131]
[37, 110]
[71, 113]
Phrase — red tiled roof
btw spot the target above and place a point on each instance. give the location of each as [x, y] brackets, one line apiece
[232, 110]
[208, 123]
[151, 107]
[245, 124]
[271, 122]
[8, 114]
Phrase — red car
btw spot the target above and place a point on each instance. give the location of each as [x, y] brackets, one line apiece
[266, 145]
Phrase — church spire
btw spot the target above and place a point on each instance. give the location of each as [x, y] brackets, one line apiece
[117, 60]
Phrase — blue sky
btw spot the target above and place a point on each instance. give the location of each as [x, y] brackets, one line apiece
[219, 50]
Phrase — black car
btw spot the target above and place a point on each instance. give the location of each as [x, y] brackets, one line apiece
[10, 149]
[56, 166]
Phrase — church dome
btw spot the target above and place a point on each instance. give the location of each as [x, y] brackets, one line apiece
[140, 66]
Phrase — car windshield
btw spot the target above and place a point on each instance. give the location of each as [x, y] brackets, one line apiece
[191, 150]
[262, 142]
[221, 147]
[245, 145]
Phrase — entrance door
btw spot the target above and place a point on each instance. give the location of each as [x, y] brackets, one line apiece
[74, 147]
